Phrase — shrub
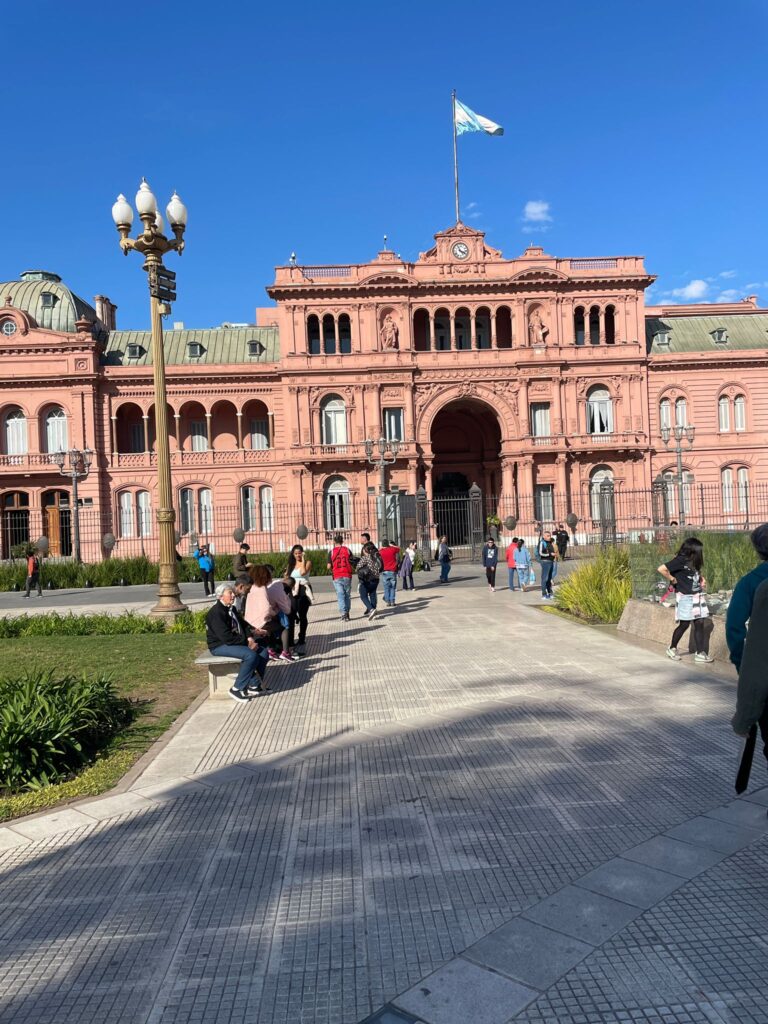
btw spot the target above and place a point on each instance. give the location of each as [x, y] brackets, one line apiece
[52, 624]
[727, 556]
[50, 727]
[598, 590]
[189, 622]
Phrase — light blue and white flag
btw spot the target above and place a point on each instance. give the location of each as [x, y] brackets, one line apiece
[468, 121]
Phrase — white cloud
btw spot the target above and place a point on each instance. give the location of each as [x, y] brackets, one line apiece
[756, 284]
[729, 295]
[472, 211]
[728, 273]
[536, 211]
[695, 289]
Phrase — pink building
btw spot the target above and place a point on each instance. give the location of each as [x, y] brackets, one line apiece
[546, 381]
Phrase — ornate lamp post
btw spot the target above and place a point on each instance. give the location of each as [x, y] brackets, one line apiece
[382, 453]
[678, 433]
[75, 464]
[153, 244]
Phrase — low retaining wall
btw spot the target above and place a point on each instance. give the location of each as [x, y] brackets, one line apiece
[653, 621]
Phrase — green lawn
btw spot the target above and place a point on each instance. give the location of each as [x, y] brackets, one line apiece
[157, 669]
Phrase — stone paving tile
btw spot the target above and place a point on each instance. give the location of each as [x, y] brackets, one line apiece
[463, 991]
[327, 869]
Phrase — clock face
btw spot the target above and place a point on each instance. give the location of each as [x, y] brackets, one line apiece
[460, 250]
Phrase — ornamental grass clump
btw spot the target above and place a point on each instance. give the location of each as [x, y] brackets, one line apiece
[49, 727]
[52, 624]
[598, 590]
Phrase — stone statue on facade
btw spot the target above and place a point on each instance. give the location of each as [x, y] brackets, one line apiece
[389, 332]
[537, 329]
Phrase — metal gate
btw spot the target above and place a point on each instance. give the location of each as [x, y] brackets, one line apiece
[461, 518]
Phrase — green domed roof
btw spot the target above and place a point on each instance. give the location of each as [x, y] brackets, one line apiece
[53, 306]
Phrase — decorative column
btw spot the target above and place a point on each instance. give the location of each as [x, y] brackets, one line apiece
[208, 431]
[508, 479]
[145, 417]
[526, 466]
[177, 429]
[601, 322]
[453, 331]
[525, 416]
[408, 415]
[562, 477]
[494, 339]
[557, 406]
[270, 429]
[113, 433]
[316, 436]
[431, 338]
[239, 414]
[413, 477]
[428, 482]
[473, 329]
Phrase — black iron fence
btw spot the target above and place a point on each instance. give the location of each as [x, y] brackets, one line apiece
[604, 516]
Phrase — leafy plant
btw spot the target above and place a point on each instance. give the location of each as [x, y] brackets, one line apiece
[598, 590]
[727, 557]
[51, 624]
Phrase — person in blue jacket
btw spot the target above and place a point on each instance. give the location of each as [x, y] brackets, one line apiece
[207, 566]
[740, 608]
[490, 561]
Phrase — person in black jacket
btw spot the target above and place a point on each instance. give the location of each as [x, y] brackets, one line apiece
[490, 561]
[229, 636]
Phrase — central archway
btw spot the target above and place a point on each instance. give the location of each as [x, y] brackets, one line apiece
[466, 448]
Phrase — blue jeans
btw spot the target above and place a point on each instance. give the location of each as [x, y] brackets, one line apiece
[546, 578]
[367, 591]
[343, 588]
[390, 586]
[253, 662]
[445, 568]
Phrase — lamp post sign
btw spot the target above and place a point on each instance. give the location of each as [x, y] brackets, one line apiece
[153, 244]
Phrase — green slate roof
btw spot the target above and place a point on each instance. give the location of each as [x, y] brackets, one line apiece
[65, 307]
[220, 345]
[694, 333]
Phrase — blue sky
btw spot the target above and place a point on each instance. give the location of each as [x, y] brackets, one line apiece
[631, 128]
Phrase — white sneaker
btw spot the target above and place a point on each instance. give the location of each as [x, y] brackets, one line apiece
[672, 653]
[705, 658]
[372, 614]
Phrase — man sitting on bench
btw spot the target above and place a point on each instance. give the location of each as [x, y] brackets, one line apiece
[229, 636]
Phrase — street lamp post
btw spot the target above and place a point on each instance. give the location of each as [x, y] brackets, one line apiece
[678, 433]
[382, 453]
[153, 244]
[75, 464]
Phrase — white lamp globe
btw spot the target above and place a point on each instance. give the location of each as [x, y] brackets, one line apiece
[176, 212]
[145, 200]
[122, 211]
[159, 222]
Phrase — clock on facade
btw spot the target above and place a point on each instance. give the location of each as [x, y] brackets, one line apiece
[460, 250]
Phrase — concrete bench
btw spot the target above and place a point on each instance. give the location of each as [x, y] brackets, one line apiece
[222, 673]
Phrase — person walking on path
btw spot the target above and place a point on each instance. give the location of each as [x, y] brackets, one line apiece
[509, 554]
[298, 572]
[368, 575]
[444, 558]
[562, 537]
[490, 561]
[691, 604]
[240, 563]
[229, 636]
[407, 566]
[390, 561]
[740, 608]
[33, 574]
[207, 568]
[546, 553]
[522, 559]
[340, 567]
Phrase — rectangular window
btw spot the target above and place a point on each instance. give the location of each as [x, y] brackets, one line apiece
[199, 435]
[187, 503]
[724, 414]
[248, 509]
[137, 437]
[742, 478]
[544, 500]
[126, 514]
[205, 503]
[600, 416]
[665, 413]
[740, 413]
[393, 425]
[259, 435]
[145, 514]
[266, 510]
[540, 419]
[726, 478]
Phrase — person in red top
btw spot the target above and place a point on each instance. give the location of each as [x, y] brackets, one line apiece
[340, 566]
[390, 560]
[33, 574]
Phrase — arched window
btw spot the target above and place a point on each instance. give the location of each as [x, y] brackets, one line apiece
[726, 486]
[665, 413]
[610, 325]
[127, 520]
[266, 509]
[329, 335]
[483, 327]
[600, 494]
[313, 335]
[248, 508]
[671, 491]
[462, 328]
[421, 338]
[333, 420]
[442, 340]
[205, 509]
[504, 327]
[16, 433]
[187, 510]
[740, 413]
[56, 431]
[578, 325]
[337, 504]
[345, 335]
[599, 411]
[144, 510]
[594, 325]
[724, 414]
[681, 412]
[742, 488]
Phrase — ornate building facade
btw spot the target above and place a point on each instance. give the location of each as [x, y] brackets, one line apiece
[538, 378]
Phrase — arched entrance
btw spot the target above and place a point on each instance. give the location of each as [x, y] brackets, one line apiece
[466, 447]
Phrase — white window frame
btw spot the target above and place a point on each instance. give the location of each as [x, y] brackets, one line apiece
[266, 509]
[248, 507]
[742, 488]
[198, 435]
[726, 487]
[56, 439]
[541, 425]
[127, 517]
[186, 511]
[724, 414]
[681, 412]
[665, 413]
[333, 421]
[260, 434]
[144, 513]
[599, 411]
[599, 476]
[740, 413]
[336, 505]
[394, 424]
[544, 502]
[205, 510]
[15, 430]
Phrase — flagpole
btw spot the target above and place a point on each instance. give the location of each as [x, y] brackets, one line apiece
[455, 155]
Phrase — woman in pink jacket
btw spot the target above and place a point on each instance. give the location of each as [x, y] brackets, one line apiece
[268, 606]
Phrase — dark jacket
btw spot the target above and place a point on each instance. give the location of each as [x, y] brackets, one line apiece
[219, 628]
[240, 563]
[490, 556]
[752, 692]
[740, 609]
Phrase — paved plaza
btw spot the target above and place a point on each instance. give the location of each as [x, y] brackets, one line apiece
[466, 810]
